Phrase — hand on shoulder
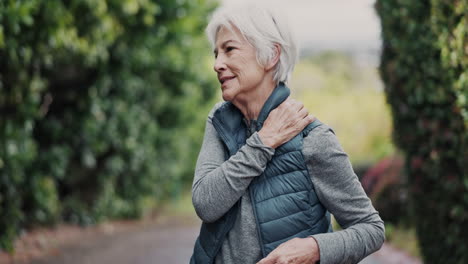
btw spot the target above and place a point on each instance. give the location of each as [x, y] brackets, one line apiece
[284, 123]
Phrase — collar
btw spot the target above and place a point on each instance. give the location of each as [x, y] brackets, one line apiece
[227, 119]
[279, 94]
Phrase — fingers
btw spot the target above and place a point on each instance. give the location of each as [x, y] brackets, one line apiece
[303, 113]
[285, 122]
[267, 260]
[291, 113]
[298, 105]
[292, 104]
[306, 121]
[285, 104]
[291, 109]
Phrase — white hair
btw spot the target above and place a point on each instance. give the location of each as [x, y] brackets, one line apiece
[262, 28]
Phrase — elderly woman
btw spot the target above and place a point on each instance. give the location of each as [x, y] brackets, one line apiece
[268, 174]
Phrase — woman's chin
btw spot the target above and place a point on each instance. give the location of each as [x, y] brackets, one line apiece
[227, 96]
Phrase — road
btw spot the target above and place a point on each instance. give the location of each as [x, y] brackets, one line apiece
[157, 244]
[167, 243]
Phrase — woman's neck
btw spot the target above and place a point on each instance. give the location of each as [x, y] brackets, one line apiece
[250, 105]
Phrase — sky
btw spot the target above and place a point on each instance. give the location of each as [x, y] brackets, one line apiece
[350, 26]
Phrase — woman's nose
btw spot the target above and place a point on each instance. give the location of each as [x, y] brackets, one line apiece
[219, 64]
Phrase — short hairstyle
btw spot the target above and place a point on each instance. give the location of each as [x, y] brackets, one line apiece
[262, 28]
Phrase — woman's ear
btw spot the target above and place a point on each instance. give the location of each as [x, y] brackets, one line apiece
[274, 60]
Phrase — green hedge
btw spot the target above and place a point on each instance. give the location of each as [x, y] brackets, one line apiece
[425, 70]
[102, 107]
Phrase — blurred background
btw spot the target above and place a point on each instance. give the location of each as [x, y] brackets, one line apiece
[103, 106]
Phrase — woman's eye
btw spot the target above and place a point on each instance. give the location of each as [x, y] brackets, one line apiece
[228, 49]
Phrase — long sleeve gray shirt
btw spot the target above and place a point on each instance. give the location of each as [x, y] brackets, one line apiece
[218, 184]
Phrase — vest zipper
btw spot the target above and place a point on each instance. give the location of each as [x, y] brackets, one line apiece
[259, 233]
[255, 127]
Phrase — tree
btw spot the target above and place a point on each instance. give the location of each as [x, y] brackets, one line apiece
[425, 70]
[99, 107]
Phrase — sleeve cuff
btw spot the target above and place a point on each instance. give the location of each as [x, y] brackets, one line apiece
[330, 247]
[256, 142]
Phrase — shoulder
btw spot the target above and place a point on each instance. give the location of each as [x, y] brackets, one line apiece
[321, 133]
[322, 141]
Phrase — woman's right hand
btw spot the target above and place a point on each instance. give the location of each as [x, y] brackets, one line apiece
[284, 123]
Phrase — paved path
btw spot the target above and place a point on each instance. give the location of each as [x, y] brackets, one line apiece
[390, 255]
[158, 244]
[169, 243]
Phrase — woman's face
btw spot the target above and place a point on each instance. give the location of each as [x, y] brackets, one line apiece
[236, 65]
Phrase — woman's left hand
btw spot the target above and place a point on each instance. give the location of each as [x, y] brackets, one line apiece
[294, 251]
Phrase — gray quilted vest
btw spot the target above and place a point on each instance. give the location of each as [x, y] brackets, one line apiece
[283, 198]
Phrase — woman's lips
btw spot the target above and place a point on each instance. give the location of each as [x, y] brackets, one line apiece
[225, 80]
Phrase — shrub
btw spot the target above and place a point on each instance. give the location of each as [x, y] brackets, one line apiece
[96, 99]
[385, 184]
[424, 67]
